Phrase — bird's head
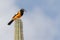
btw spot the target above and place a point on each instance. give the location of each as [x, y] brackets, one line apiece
[22, 10]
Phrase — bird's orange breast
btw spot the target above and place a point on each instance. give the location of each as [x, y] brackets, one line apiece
[18, 15]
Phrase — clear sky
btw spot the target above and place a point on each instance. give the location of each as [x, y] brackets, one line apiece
[40, 22]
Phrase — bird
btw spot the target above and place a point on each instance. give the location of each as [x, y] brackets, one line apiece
[16, 16]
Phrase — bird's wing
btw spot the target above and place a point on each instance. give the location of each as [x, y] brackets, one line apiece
[15, 15]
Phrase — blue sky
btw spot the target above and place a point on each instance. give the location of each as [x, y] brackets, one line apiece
[48, 6]
[40, 22]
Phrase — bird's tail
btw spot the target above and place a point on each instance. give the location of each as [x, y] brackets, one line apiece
[10, 22]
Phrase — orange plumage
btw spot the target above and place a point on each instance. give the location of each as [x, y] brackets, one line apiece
[16, 16]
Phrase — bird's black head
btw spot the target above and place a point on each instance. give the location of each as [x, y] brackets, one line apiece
[22, 10]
